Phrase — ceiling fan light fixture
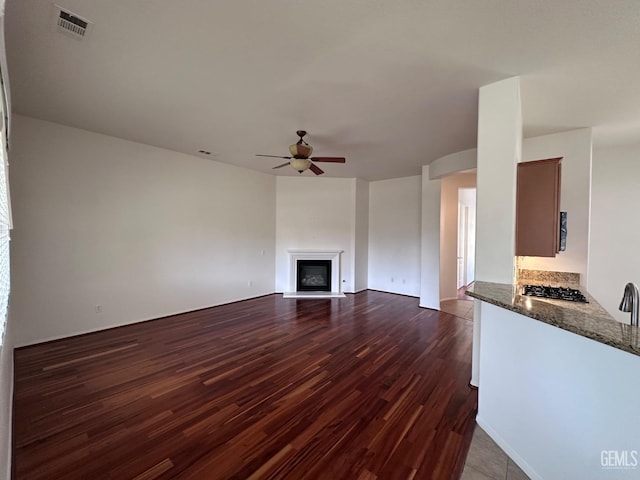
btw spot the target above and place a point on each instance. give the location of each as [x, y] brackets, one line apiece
[301, 159]
[300, 164]
[300, 150]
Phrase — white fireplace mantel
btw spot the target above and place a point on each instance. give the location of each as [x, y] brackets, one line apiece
[332, 255]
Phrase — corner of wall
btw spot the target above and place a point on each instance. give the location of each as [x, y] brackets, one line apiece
[361, 236]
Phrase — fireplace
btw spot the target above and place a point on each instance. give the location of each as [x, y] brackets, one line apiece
[313, 276]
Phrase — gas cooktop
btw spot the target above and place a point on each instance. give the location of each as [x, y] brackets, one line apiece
[556, 293]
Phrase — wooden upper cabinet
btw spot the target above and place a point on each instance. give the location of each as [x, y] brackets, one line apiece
[538, 208]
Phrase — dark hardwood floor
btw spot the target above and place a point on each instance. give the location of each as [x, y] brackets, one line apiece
[365, 387]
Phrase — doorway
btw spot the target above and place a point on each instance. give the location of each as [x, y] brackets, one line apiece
[466, 237]
[457, 242]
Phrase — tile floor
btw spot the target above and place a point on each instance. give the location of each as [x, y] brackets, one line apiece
[487, 461]
[459, 308]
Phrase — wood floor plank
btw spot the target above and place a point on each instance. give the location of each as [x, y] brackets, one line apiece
[365, 387]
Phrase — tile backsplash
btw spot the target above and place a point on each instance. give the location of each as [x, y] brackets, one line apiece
[543, 276]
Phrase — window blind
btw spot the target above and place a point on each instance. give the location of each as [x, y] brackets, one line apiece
[5, 214]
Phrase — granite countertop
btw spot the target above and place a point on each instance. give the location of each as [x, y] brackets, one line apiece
[589, 320]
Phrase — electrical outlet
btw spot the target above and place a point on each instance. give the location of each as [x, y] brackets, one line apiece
[98, 309]
[391, 279]
[250, 283]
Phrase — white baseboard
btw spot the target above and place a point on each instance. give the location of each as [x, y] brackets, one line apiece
[313, 295]
[429, 307]
[109, 326]
[513, 455]
[449, 298]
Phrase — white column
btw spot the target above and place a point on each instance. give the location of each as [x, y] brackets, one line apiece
[430, 243]
[499, 151]
[360, 243]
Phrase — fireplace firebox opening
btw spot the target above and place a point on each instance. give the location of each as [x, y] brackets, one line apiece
[313, 276]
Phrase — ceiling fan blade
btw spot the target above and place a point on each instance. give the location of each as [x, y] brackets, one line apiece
[275, 156]
[280, 166]
[316, 169]
[329, 159]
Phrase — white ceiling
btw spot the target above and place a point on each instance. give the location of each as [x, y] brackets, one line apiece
[390, 84]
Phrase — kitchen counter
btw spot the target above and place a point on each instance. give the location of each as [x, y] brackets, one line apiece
[589, 320]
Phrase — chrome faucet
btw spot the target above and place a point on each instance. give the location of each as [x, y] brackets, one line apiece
[630, 302]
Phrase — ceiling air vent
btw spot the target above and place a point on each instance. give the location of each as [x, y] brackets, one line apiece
[71, 24]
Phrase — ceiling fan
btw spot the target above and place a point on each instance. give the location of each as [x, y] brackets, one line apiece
[300, 158]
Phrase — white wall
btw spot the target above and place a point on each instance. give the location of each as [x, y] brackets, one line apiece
[575, 147]
[143, 232]
[449, 231]
[615, 225]
[315, 213]
[430, 241]
[361, 237]
[454, 163]
[499, 150]
[394, 235]
[575, 198]
[554, 400]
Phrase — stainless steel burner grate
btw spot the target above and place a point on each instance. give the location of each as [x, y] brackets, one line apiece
[556, 293]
